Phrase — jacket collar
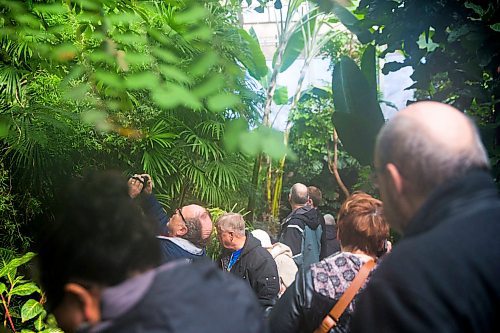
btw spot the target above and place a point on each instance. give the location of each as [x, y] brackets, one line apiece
[250, 243]
[118, 300]
[184, 244]
[450, 199]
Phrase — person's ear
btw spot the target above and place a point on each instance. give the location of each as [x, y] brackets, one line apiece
[182, 230]
[395, 177]
[89, 301]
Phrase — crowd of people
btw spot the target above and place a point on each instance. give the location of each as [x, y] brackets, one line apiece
[113, 261]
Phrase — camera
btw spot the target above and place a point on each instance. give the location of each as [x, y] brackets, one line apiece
[144, 182]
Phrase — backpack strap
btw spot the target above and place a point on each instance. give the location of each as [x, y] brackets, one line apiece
[333, 316]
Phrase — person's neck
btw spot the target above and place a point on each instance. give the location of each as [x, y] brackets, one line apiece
[408, 210]
[357, 251]
[296, 206]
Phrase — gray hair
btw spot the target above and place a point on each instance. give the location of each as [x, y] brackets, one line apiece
[422, 161]
[329, 219]
[232, 222]
[193, 233]
[299, 194]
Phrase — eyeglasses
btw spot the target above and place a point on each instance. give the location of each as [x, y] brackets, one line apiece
[179, 210]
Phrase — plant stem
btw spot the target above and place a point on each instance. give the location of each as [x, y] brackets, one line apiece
[7, 314]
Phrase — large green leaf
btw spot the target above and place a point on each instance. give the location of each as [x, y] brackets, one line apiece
[347, 18]
[222, 101]
[280, 96]
[369, 67]
[30, 310]
[25, 289]
[12, 265]
[252, 58]
[293, 49]
[39, 324]
[357, 116]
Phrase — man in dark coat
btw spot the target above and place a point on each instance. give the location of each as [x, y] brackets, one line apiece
[99, 270]
[315, 198]
[188, 233]
[331, 244]
[244, 257]
[443, 276]
[293, 226]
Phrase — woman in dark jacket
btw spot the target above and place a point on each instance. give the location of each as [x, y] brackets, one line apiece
[362, 231]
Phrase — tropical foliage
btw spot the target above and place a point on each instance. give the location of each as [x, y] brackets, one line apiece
[137, 86]
[20, 306]
[452, 47]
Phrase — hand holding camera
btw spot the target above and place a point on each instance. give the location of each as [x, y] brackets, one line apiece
[140, 183]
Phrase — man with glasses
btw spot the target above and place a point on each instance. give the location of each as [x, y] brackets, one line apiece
[188, 233]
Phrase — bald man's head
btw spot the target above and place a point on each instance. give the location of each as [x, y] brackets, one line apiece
[298, 194]
[429, 143]
[199, 224]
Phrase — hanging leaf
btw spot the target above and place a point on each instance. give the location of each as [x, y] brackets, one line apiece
[293, 49]
[357, 117]
[348, 19]
[221, 102]
[203, 64]
[369, 66]
[232, 135]
[144, 80]
[252, 58]
[281, 96]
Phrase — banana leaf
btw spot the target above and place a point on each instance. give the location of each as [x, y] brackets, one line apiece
[357, 117]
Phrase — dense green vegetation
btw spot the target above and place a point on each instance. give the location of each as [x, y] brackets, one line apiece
[453, 48]
[179, 90]
[136, 86]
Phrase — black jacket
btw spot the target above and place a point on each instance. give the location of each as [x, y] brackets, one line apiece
[292, 227]
[330, 244]
[444, 276]
[315, 291]
[180, 297]
[257, 266]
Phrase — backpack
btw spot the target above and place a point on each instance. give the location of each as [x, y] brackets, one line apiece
[311, 245]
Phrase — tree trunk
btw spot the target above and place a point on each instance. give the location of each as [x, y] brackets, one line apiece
[332, 164]
[254, 187]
